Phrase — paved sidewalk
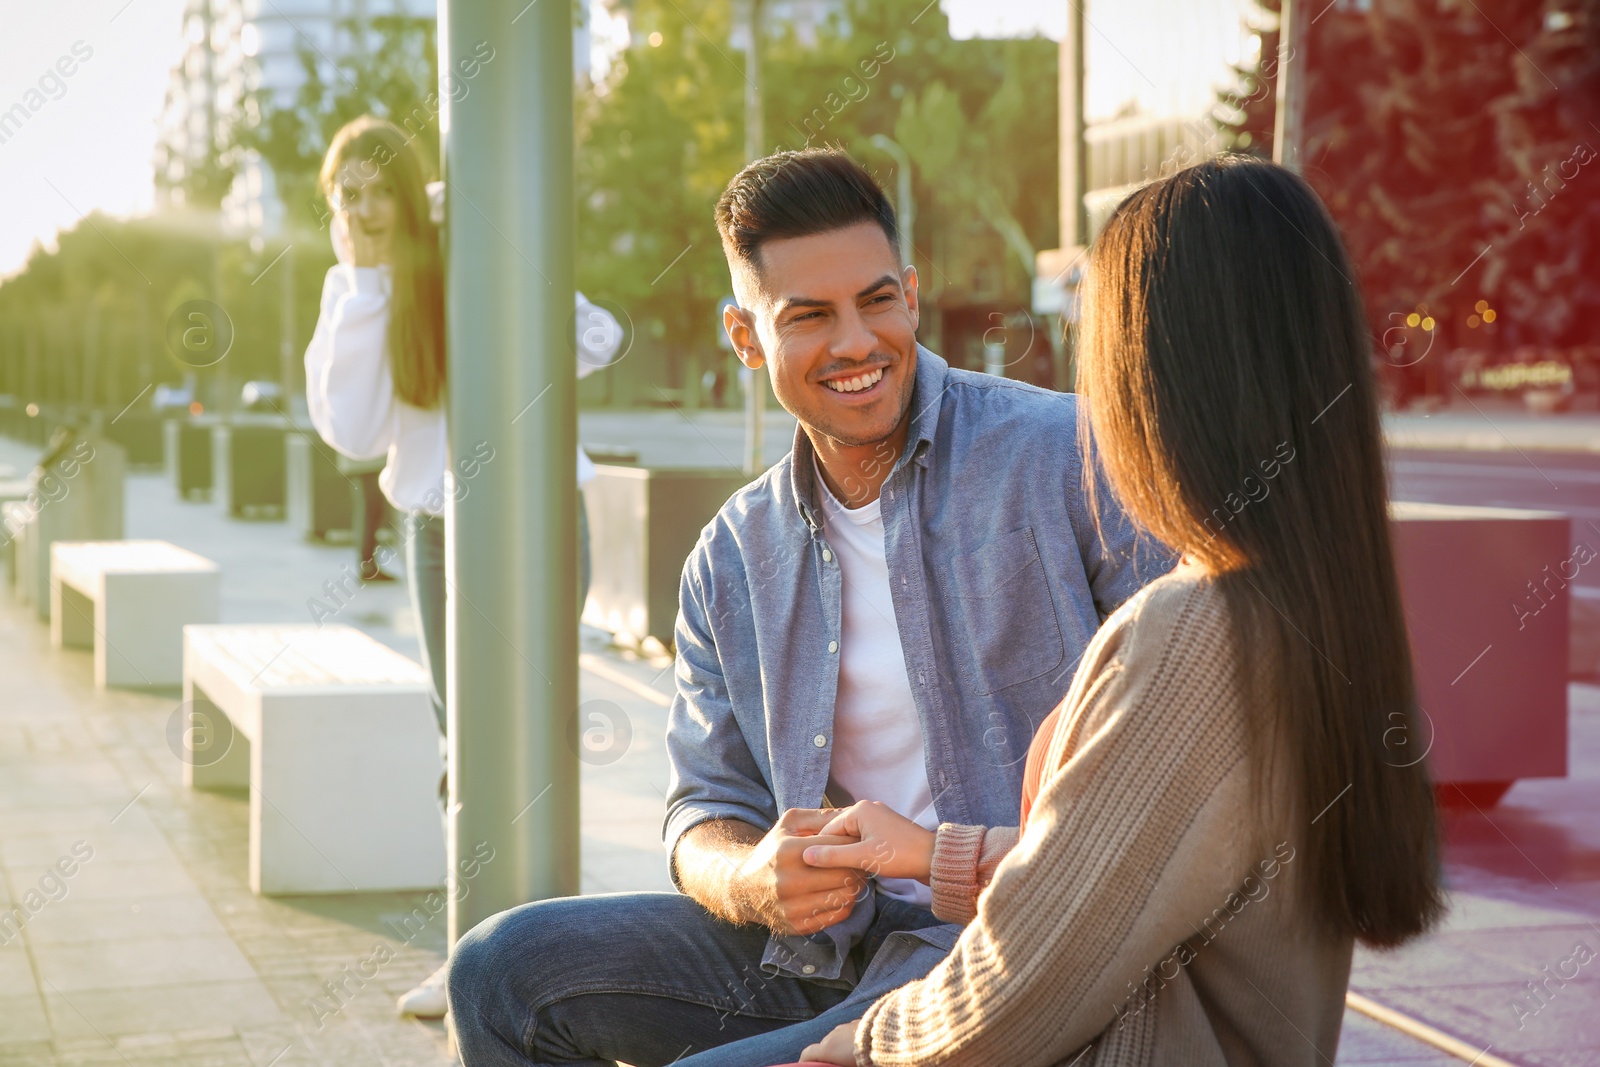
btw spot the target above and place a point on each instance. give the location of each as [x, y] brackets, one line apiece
[154, 951]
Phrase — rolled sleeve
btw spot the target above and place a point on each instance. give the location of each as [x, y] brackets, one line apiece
[713, 773]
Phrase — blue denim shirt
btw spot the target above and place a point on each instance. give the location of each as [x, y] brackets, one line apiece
[999, 578]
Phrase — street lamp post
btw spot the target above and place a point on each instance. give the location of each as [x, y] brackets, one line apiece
[755, 397]
[511, 524]
[904, 205]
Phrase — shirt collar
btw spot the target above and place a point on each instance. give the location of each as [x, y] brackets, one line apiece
[927, 395]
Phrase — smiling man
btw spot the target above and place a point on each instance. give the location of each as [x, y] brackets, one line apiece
[886, 614]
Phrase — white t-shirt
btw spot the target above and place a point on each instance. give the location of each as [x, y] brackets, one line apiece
[877, 737]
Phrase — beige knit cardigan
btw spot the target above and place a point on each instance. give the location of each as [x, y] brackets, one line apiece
[1149, 913]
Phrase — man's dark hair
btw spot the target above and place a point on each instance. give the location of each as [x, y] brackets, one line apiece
[796, 194]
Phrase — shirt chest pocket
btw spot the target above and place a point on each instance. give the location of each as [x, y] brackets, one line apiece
[1003, 628]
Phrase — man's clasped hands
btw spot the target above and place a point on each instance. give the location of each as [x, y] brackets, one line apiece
[809, 870]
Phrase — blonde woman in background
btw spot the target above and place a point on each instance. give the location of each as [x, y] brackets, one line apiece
[376, 374]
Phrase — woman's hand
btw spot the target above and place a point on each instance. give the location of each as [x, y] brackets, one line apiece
[888, 845]
[364, 249]
[839, 1047]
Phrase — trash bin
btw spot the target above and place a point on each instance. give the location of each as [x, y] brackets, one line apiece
[250, 467]
[188, 455]
[140, 433]
[1486, 607]
[319, 495]
[644, 522]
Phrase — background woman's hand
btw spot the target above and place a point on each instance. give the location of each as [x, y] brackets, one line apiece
[888, 845]
[839, 1047]
[366, 249]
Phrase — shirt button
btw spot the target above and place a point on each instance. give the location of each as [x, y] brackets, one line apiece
[833, 646]
[827, 555]
[820, 741]
[809, 968]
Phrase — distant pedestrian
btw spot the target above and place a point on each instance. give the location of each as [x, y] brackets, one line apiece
[369, 513]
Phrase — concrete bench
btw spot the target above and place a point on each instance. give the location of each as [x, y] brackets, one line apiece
[334, 735]
[129, 601]
[1486, 593]
[78, 497]
[14, 518]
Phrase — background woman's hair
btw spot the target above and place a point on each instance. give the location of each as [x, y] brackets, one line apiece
[381, 152]
[1227, 373]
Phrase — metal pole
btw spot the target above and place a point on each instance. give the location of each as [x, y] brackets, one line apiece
[755, 399]
[1074, 154]
[1289, 117]
[512, 525]
[287, 361]
[902, 189]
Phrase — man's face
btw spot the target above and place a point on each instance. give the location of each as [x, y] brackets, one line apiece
[834, 317]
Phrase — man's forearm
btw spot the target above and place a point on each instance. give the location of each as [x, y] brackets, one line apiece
[707, 860]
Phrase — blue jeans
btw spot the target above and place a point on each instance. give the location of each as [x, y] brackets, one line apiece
[424, 537]
[648, 978]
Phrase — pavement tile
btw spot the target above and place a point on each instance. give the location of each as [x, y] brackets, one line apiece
[16, 972]
[1487, 1013]
[128, 881]
[77, 921]
[29, 1054]
[1366, 1042]
[116, 1012]
[139, 963]
[22, 1020]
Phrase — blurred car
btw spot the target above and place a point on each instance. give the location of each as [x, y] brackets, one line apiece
[171, 397]
[261, 396]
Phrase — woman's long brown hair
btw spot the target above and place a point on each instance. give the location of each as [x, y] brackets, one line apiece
[1226, 370]
[381, 151]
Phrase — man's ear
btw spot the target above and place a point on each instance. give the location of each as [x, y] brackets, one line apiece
[908, 285]
[741, 327]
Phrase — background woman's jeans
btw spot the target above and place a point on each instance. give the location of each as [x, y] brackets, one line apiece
[424, 536]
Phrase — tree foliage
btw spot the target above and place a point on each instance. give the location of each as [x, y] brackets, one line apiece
[1448, 140]
[657, 141]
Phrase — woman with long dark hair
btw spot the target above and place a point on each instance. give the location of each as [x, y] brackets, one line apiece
[1218, 810]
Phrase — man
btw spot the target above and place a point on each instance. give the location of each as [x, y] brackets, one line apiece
[886, 614]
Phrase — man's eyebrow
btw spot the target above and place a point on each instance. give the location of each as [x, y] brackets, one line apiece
[812, 302]
[887, 279]
[802, 302]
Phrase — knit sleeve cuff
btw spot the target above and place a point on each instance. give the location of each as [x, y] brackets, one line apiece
[954, 871]
[964, 862]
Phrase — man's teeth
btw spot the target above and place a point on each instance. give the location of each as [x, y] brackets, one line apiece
[856, 384]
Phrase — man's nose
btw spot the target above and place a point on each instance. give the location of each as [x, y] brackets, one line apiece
[855, 339]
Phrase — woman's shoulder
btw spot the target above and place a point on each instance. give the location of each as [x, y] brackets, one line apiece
[1185, 598]
[1179, 625]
